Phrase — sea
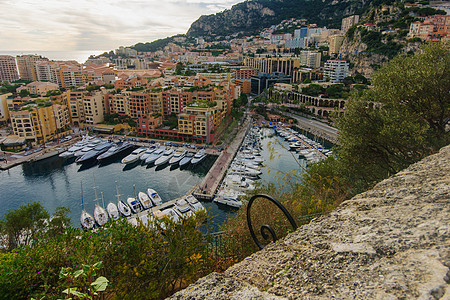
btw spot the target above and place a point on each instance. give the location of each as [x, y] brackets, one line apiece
[61, 182]
[80, 55]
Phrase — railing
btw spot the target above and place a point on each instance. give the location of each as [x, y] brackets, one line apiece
[266, 229]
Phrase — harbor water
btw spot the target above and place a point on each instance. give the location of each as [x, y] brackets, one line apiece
[57, 182]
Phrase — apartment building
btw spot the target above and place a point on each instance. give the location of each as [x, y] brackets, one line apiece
[310, 59]
[336, 70]
[27, 66]
[76, 107]
[39, 123]
[245, 73]
[4, 111]
[197, 122]
[175, 100]
[335, 43]
[8, 69]
[349, 22]
[64, 73]
[284, 65]
[244, 84]
[217, 78]
[433, 28]
[93, 106]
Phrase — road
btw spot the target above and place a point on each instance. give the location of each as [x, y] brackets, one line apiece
[315, 127]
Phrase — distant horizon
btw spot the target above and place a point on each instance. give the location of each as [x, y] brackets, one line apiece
[82, 25]
[78, 55]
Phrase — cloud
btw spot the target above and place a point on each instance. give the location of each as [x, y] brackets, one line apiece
[96, 25]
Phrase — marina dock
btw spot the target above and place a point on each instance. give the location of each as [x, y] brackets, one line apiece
[209, 185]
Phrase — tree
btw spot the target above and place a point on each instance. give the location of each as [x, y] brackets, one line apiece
[20, 225]
[400, 120]
[24, 93]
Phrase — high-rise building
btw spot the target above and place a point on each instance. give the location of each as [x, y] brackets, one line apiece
[335, 43]
[8, 69]
[263, 81]
[27, 66]
[310, 59]
[349, 22]
[64, 73]
[284, 65]
[336, 70]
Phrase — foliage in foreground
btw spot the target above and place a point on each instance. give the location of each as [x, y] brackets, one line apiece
[397, 122]
[140, 262]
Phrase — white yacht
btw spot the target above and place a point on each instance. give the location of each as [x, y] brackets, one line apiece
[113, 211]
[186, 159]
[134, 156]
[198, 157]
[134, 205]
[147, 153]
[178, 156]
[156, 199]
[145, 200]
[155, 155]
[228, 197]
[165, 158]
[183, 209]
[194, 203]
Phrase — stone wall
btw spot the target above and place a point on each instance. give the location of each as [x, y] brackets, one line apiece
[391, 242]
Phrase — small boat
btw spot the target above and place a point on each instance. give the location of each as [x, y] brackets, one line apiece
[123, 208]
[113, 211]
[134, 205]
[155, 155]
[198, 157]
[186, 159]
[183, 209]
[145, 200]
[228, 197]
[194, 203]
[86, 220]
[170, 212]
[100, 215]
[178, 156]
[165, 158]
[156, 199]
[134, 156]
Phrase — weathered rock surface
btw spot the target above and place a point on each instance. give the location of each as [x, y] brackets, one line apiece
[391, 242]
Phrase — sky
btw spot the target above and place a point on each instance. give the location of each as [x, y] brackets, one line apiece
[72, 25]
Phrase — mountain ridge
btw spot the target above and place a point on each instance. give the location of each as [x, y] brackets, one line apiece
[254, 15]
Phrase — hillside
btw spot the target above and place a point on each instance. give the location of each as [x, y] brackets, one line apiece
[250, 16]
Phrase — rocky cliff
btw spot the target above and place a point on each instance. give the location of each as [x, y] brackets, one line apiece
[392, 242]
[250, 16]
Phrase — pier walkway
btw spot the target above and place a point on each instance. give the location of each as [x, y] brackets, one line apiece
[208, 187]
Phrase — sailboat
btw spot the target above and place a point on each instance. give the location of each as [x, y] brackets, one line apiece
[123, 208]
[86, 220]
[100, 215]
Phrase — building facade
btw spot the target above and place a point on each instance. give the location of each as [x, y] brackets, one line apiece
[336, 70]
[263, 81]
[8, 69]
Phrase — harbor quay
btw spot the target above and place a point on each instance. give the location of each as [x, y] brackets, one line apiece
[208, 187]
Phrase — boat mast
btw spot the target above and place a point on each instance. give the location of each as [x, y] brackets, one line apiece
[82, 200]
[103, 200]
[95, 189]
